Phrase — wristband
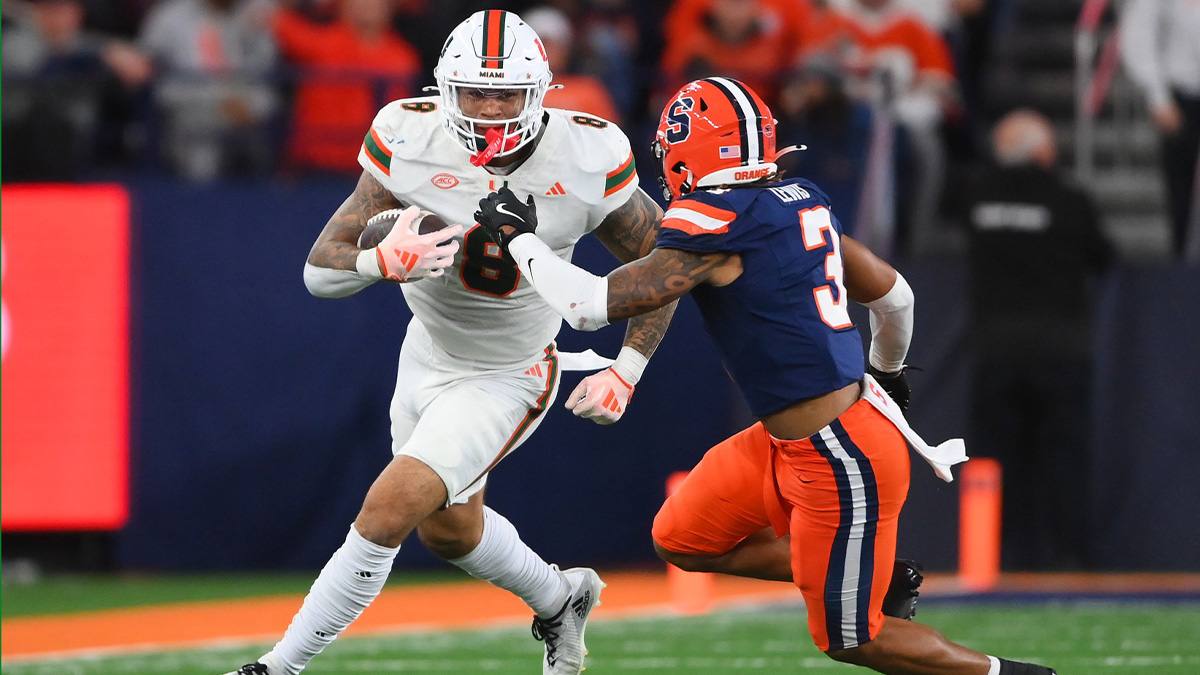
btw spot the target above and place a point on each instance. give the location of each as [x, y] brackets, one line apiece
[629, 365]
[367, 264]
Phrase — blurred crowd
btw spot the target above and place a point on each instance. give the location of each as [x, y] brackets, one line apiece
[885, 94]
[211, 88]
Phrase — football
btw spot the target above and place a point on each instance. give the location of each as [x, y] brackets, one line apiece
[381, 223]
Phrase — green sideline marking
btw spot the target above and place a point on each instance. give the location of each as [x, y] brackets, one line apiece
[65, 594]
[1076, 638]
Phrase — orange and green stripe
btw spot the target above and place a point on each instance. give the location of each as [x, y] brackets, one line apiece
[493, 38]
[620, 176]
[378, 152]
[535, 412]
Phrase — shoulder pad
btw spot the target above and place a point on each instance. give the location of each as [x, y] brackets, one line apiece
[601, 145]
[403, 128]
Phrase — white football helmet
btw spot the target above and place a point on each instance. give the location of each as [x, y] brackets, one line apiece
[493, 49]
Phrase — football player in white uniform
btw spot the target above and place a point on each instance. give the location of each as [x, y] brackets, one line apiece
[478, 366]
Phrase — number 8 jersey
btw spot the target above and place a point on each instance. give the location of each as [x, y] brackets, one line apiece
[782, 327]
[481, 311]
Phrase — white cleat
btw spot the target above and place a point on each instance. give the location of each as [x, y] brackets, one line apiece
[563, 632]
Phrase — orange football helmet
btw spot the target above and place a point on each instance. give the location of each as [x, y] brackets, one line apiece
[714, 131]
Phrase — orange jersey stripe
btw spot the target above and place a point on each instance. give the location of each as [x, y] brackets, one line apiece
[696, 217]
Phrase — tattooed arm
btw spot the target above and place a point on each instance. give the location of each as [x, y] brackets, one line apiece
[648, 283]
[661, 278]
[630, 233]
[336, 267]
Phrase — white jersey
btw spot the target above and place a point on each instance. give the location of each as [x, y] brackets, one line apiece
[481, 311]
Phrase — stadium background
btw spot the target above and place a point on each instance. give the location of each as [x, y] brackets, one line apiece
[257, 414]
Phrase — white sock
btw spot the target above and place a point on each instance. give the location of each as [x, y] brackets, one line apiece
[502, 559]
[995, 667]
[348, 583]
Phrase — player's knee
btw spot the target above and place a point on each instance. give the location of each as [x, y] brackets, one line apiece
[664, 527]
[877, 653]
[447, 543]
[382, 524]
[379, 527]
[857, 656]
[689, 562]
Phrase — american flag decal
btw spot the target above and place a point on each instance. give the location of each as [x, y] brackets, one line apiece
[730, 152]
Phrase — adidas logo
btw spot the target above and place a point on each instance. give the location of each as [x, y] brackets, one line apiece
[535, 371]
[611, 403]
[580, 605]
[556, 191]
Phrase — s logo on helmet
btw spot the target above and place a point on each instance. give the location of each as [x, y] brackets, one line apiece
[680, 125]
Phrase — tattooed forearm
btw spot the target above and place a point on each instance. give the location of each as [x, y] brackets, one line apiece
[337, 245]
[630, 231]
[645, 332]
[658, 280]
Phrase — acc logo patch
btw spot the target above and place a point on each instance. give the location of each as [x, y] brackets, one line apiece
[444, 181]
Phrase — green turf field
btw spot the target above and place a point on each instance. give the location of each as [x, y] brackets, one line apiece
[62, 594]
[1076, 638]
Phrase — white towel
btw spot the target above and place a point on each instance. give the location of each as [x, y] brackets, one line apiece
[941, 457]
[585, 360]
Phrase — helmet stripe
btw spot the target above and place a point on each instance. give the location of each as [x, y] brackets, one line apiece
[748, 117]
[493, 37]
[756, 115]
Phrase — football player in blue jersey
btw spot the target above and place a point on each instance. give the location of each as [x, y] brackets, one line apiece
[812, 492]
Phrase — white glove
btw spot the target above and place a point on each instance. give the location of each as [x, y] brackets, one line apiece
[601, 397]
[404, 255]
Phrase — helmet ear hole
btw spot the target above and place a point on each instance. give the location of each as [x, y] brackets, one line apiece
[678, 168]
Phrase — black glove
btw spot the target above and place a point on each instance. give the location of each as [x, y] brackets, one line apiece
[895, 384]
[501, 208]
[901, 598]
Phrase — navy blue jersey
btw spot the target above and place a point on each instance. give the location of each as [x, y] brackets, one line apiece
[782, 327]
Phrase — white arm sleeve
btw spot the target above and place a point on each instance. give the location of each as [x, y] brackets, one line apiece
[324, 282]
[578, 295]
[891, 326]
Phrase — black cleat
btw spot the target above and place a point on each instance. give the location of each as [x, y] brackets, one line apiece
[1019, 668]
[255, 668]
[901, 598]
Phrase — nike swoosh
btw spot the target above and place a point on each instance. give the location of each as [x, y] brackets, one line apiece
[500, 208]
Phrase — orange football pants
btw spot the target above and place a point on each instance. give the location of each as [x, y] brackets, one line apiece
[838, 493]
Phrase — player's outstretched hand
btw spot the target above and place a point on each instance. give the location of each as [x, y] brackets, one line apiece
[404, 255]
[503, 209]
[895, 384]
[601, 397]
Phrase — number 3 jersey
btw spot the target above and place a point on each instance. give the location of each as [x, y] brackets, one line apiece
[481, 311]
[782, 326]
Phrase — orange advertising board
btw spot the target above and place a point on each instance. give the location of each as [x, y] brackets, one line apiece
[65, 370]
